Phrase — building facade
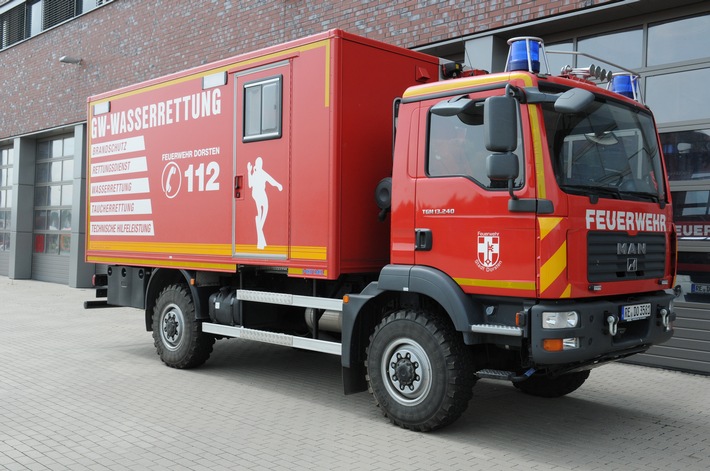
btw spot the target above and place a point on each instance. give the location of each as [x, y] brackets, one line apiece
[56, 53]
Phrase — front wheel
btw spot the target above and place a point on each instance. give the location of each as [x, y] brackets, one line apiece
[418, 371]
[177, 335]
[544, 386]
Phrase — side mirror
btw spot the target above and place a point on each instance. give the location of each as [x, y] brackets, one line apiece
[502, 167]
[500, 118]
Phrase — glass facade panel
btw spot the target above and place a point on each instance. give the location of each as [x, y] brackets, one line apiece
[41, 220]
[43, 150]
[680, 40]
[5, 239]
[55, 171]
[608, 47]
[6, 161]
[64, 244]
[42, 173]
[558, 61]
[57, 146]
[53, 195]
[687, 154]
[67, 192]
[66, 220]
[51, 244]
[67, 169]
[68, 147]
[678, 96]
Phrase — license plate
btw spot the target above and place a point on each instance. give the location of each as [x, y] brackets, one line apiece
[705, 289]
[635, 312]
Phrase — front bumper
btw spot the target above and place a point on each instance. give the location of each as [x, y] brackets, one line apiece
[597, 339]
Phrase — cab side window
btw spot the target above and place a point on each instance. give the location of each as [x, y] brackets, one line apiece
[456, 148]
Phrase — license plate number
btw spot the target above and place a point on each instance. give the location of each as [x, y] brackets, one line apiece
[700, 288]
[635, 312]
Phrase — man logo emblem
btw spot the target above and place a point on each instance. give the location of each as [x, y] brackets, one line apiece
[632, 264]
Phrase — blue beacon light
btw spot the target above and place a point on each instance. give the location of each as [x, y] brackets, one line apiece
[626, 85]
[524, 54]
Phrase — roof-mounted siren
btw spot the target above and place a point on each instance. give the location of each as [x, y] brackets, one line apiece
[626, 84]
[525, 53]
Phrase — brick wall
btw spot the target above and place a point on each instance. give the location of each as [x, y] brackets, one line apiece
[128, 41]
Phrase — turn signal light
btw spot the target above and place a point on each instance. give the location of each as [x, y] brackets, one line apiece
[557, 345]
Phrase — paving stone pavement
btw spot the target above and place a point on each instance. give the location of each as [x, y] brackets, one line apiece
[85, 390]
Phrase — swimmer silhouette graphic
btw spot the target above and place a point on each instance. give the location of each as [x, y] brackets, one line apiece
[257, 178]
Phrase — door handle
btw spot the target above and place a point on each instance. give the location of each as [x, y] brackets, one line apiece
[238, 182]
[422, 239]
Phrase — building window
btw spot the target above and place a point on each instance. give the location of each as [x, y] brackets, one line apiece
[678, 41]
[31, 17]
[262, 109]
[678, 97]
[35, 17]
[606, 46]
[687, 154]
[6, 165]
[53, 196]
[12, 26]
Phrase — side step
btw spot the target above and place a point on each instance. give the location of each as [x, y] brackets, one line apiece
[504, 375]
[495, 374]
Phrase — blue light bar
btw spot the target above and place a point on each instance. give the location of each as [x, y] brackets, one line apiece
[524, 54]
[626, 85]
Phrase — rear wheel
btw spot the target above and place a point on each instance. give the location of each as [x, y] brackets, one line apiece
[177, 335]
[544, 386]
[418, 371]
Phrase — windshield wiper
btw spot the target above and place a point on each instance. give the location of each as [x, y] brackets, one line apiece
[592, 190]
[644, 195]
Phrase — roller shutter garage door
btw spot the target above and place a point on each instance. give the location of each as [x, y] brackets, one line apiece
[688, 349]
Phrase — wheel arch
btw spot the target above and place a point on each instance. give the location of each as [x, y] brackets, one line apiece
[436, 285]
[398, 285]
[162, 277]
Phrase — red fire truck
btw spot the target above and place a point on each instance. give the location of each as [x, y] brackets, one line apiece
[427, 224]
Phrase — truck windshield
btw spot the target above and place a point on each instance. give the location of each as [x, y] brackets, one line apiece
[610, 151]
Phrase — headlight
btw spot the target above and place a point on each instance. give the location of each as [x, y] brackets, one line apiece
[560, 320]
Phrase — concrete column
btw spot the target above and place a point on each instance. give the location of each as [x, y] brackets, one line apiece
[80, 272]
[23, 195]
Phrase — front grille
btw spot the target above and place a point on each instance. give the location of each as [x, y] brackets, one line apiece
[618, 256]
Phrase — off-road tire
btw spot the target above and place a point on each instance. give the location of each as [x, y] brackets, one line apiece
[418, 370]
[178, 337]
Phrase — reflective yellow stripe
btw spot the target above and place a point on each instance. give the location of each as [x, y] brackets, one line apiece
[227, 267]
[519, 285]
[537, 150]
[225, 250]
[567, 292]
[161, 247]
[453, 85]
[553, 267]
[547, 225]
[309, 253]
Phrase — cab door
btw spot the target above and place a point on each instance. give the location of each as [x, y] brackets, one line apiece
[463, 226]
[261, 162]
